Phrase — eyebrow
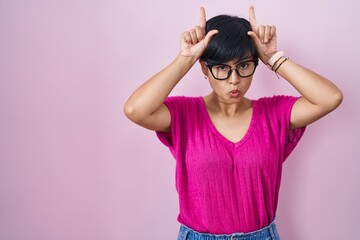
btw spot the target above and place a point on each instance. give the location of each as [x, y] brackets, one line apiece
[236, 63]
[244, 60]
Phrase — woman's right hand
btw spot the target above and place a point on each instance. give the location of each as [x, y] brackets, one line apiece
[194, 42]
[146, 105]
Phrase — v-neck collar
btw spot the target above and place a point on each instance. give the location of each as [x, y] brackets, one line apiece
[211, 125]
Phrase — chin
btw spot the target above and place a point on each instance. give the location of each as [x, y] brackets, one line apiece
[235, 99]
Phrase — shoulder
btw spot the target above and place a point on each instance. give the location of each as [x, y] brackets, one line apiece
[182, 101]
[276, 107]
[276, 101]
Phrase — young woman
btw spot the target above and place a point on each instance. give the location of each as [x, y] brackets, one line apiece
[228, 148]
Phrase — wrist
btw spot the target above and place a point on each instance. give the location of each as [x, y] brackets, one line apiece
[184, 63]
[186, 59]
[264, 57]
[274, 59]
[279, 63]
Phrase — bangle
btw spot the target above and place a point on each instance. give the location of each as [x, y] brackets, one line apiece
[274, 58]
[275, 64]
[285, 59]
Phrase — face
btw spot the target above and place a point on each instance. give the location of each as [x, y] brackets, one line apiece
[232, 89]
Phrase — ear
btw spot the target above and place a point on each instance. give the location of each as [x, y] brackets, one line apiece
[204, 68]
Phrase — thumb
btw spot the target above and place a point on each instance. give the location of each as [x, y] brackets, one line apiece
[253, 36]
[209, 36]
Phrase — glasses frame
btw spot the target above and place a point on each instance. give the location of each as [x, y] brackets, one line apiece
[210, 66]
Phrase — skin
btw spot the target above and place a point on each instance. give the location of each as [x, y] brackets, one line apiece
[230, 113]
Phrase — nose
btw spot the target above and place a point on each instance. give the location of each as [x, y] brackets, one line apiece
[234, 77]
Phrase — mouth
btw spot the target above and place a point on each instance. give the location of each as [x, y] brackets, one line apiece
[234, 93]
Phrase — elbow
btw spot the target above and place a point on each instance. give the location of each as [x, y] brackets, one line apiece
[335, 100]
[338, 98]
[130, 112]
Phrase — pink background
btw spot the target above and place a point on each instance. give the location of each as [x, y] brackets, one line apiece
[73, 167]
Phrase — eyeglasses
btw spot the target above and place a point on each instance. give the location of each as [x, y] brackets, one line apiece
[223, 71]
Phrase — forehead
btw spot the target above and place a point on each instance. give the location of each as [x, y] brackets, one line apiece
[237, 61]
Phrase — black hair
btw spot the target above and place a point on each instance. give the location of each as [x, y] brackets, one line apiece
[231, 42]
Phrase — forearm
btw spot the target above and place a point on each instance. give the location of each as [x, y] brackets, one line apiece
[150, 96]
[314, 88]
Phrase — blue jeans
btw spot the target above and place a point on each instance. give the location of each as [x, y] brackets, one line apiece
[267, 233]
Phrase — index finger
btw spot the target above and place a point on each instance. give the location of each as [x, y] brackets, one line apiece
[252, 18]
[202, 23]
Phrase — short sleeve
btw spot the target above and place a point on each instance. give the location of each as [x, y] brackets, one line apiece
[175, 106]
[291, 137]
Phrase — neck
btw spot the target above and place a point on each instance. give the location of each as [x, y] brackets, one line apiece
[226, 109]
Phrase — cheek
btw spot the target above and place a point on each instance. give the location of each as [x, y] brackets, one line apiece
[248, 83]
[217, 86]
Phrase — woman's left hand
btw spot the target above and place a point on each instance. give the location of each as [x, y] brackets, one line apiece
[264, 37]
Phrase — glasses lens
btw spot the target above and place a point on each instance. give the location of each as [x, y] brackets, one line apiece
[243, 69]
[246, 69]
[220, 71]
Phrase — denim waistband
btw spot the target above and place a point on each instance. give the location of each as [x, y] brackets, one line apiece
[269, 233]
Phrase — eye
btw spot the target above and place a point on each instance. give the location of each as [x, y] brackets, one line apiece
[222, 67]
[243, 65]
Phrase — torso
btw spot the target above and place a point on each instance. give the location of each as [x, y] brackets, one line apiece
[228, 177]
[233, 127]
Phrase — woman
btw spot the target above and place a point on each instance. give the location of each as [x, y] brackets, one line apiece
[229, 149]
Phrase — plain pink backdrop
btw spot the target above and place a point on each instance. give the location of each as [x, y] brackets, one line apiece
[73, 167]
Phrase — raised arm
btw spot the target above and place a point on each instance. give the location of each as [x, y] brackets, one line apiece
[319, 95]
[146, 105]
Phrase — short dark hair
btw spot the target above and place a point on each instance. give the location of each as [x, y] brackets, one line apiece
[232, 41]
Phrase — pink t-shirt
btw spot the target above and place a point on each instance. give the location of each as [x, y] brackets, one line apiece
[227, 187]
